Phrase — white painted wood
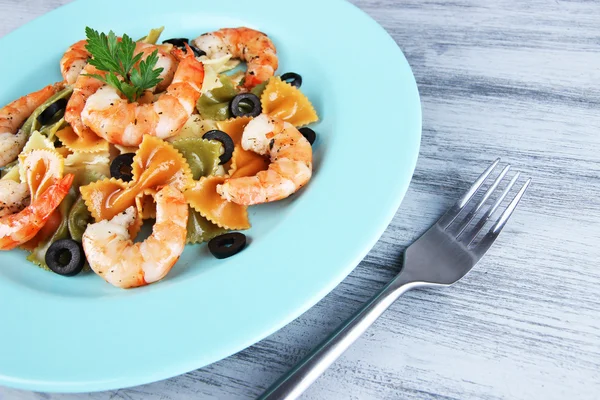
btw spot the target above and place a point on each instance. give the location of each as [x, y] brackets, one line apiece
[517, 79]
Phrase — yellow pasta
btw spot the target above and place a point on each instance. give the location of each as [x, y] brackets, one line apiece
[36, 141]
[212, 69]
[83, 165]
[282, 100]
[41, 169]
[195, 126]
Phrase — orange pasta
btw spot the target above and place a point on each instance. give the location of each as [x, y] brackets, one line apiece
[243, 162]
[203, 197]
[156, 164]
[88, 143]
[284, 101]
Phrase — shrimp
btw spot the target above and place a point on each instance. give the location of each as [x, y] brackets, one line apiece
[21, 227]
[73, 61]
[12, 117]
[76, 58]
[289, 170]
[120, 122]
[85, 85]
[112, 254]
[249, 45]
[14, 197]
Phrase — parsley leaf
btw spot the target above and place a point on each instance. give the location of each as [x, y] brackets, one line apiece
[146, 76]
[117, 57]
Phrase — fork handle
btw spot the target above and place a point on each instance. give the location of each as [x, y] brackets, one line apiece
[298, 379]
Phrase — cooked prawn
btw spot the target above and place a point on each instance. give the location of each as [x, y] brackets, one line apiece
[249, 45]
[12, 117]
[289, 170]
[21, 227]
[73, 61]
[112, 254]
[14, 197]
[85, 85]
[121, 122]
[76, 57]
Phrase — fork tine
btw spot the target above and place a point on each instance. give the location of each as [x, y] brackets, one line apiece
[493, 233]
[468, 238]
[510, 209]
[467, 220]
[453, 212]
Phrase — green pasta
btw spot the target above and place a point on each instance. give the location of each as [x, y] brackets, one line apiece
[259, 89]
[8, 168]
[199, 229]
[74, 220]
[50, 130]
[214, 104]
[78, 219]
[203, 158]
[201, 155]
[32, 124]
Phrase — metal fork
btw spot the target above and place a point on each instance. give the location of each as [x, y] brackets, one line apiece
[442, 256]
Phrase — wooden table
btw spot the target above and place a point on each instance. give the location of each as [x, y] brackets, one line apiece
[516, 79]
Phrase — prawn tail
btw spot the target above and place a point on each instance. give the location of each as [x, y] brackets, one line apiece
[19, 228]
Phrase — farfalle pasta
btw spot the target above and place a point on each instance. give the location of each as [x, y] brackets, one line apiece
[155, 164]
[284, 101]
[201, 155]
[203, 197]
[87, 142]
[186, 148]
[40, 169]
[243, 162]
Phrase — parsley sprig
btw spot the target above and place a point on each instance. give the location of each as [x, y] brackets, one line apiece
[117, 58]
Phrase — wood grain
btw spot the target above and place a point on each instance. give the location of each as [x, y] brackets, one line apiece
[516, 79]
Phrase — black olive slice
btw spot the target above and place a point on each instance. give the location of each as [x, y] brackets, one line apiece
[197, 51]
[122, 166]
[46, 116]
[225, 140]
[177, 42]
[65, 257]
[292, 78]
[227, 245]
[309, 134]
[245, 105]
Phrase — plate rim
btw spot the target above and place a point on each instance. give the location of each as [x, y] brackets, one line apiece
[307, 304]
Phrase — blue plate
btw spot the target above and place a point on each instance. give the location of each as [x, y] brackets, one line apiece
[81, 334]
